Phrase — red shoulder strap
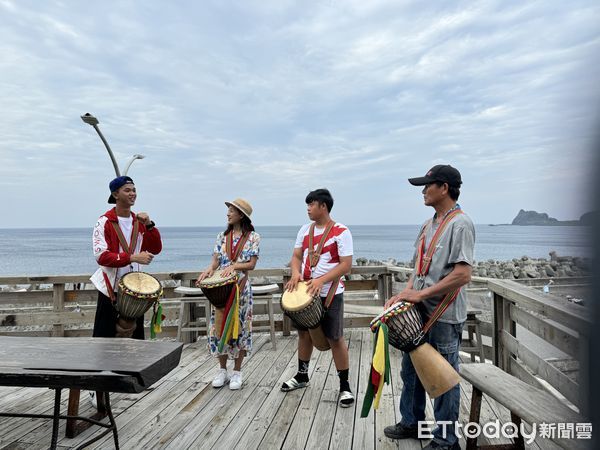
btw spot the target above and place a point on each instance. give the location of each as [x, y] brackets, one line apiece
[234, 252]
[129, 249]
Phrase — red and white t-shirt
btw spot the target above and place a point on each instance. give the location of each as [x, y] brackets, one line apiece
[339, 243]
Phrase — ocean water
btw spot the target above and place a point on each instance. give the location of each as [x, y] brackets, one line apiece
[60, 251]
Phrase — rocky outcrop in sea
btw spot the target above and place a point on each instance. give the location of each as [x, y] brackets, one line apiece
[536, 218]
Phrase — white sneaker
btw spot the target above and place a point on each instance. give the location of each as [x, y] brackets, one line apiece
[346, 399]
[91, 396]
[236, 381]
[220, 379]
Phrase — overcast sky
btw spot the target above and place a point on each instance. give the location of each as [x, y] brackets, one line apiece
[270, 99]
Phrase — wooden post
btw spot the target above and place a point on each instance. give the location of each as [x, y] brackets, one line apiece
[470, 333]
[72, 410]
[519, 442]
[474, 415]
[58, 296]
[287, 323]
[389, 278]
[584, 375]
[497, 324]
[510, 327]
[501, 321]
[384, 287]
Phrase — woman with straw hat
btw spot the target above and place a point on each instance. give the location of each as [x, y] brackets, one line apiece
[236, 250]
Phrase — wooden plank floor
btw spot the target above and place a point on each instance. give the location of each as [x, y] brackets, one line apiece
[184, 411]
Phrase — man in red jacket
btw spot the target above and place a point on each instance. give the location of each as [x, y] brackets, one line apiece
[114, 260]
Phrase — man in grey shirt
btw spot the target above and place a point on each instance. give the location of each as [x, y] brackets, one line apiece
[449, 270]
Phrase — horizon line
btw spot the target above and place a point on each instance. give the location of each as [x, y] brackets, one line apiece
[274, 226]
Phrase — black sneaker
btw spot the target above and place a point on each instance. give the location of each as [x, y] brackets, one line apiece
[400, 431]
[434, 445]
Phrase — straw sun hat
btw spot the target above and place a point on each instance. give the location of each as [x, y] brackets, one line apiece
[242, 205]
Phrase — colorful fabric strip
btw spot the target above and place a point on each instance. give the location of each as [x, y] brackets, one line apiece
[156, 322]
[380, 370]
[230, 328]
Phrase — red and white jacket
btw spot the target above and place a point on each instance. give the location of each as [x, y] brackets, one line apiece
[110, 255]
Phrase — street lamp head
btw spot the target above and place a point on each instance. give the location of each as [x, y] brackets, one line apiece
[136, 156]
[89, 119]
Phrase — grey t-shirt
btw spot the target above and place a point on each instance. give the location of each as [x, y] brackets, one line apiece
[455, 245]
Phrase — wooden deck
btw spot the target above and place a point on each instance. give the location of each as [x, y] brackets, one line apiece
[184, 411]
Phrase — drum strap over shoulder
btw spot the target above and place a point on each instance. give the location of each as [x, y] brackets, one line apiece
[312, 259]
[109, 288]
[331, 293]
[234, 252]
[129, 249]
[441, 309]
[314, 255]
[423, 263]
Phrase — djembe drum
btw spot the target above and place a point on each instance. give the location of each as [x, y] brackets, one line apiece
[405, 333]
[306, 311]
[217, 290]
[138, 292]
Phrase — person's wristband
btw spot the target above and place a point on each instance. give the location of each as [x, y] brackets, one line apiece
[150, 225]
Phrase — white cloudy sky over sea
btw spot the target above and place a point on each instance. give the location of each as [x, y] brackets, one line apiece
[270, 99]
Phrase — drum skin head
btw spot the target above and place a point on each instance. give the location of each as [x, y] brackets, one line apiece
[218, 280]
[296, 300]
[140, 282]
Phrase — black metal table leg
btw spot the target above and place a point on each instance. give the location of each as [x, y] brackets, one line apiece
[112, 425]
[55, 419]
[112, 419]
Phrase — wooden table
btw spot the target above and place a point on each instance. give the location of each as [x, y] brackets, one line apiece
[95, 364]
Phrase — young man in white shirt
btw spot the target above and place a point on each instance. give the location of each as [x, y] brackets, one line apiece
[324, 277]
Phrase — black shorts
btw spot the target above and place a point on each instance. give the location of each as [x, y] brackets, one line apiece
[106, 320]
[333, 321]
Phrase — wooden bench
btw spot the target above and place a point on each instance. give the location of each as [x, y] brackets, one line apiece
[525, 403]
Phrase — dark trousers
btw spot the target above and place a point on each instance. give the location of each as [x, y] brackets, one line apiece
[106, 320]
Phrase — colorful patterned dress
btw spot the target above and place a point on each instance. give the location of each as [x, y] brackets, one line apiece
[244, 341]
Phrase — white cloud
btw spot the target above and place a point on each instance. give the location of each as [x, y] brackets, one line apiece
[275, 98]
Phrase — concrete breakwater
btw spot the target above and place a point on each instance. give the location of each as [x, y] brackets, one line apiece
[517, 268]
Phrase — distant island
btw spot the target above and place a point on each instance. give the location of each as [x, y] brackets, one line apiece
[536, 218]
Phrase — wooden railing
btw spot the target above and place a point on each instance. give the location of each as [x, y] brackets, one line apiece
[563, 325]
[64, 310]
